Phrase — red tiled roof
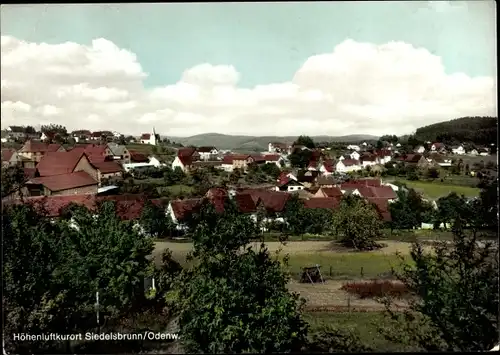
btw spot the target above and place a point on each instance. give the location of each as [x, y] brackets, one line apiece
[56, 163]
[332, 191]
[183, 208]
[366, 191]
[65, 181]
[245, 203]
[185, 160]
[274, 201]
[146, 136]
[383, 153]
[370, 182]
[413, 158]
[382, 206]
[29, 172]
[313, 164]
[350, 162]
[272, 157]
[186, 152]
[438, 145]
[322, 202]
[7, 154]
[216, 192]
[241, 157]
[107, 167]
[329, 165]
[227, 159]
[137, 157]
[368, 157]
[33, 147]
[127, 206]
[385, 192]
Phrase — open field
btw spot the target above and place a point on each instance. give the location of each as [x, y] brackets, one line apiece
[437, 189]
[337, 267]
[366, 324]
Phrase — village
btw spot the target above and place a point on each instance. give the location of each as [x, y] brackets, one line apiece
[84, 172]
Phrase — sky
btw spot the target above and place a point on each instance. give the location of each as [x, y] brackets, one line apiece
[317, 68]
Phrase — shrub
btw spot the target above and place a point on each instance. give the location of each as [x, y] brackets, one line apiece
[376, 288]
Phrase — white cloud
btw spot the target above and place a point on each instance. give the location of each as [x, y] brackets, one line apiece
[357, 88]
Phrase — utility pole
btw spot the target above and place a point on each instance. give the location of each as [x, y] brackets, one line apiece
[97, 310]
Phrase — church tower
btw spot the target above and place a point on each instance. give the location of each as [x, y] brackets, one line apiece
[153, 138]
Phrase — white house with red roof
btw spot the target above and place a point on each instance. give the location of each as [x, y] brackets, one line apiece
[327, 167]
[347, 165]
[149, 138]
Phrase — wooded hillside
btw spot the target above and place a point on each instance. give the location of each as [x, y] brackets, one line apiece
[478, 130]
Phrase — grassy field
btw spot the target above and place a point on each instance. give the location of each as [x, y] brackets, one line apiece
[335, 264]
[365, 324]
[437, 189]
[141, 148]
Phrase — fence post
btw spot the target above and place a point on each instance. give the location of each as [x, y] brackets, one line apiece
[362, 272]
[349, 303]
[330, 271]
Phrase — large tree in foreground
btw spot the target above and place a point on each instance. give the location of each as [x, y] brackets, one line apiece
[235, 299]
[53, 269]
[455, 289]
[357, 224]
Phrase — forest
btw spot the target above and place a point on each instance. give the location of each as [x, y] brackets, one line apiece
[477, 130]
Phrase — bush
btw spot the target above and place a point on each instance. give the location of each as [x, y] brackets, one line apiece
[376, 288]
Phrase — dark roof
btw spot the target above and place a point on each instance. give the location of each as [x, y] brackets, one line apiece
[227, 159]
[205, 149]
[33, 147]
[30, 173]
[382, 207]
[7, 154]
[138, 157]
[56, 163]
[329, 165]
[81, 132]
[350, 162]
[183, 208]
[107, 167]
[413, 158]
[186, 152]
[307, 176]
[326, 180]
[273, 201]
[185, 160]
[64, 181]
[291, 182]
[146, 136]
[322, 202]
[272, 157]
[332, 191]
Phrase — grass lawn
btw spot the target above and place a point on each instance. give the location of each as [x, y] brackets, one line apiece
[344, 265]
[141, 148]
[437, 189]
[365, 324]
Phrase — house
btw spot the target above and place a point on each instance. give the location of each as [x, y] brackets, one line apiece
[326, 181]
[438, 147]
[347, 165]
[208, 153]
[16, 132]
[382, 207]
[149, 138]
[185, 158]
[75, 183]
[277, 147]
[96, 136]
[284, 177]
[330, 203]
[107, 170]
[81, 135]
[274, 159]
[354, 155]
[353, 147]
[307, 177]
[9, 157]
[368, 160]
[241, 161]
[327, 167]
[420, 149]
[328, 192]
[34, 151]
[227, 163]
[384, 192]
[413, 159]
[473, 152]
[384, 155]
[290, 185]
[138, 157]
[152, 162]
[484, 152]
[458, 150]
[120, 153]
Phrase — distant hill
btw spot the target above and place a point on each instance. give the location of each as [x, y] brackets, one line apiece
[223, 141]
[478, 130]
